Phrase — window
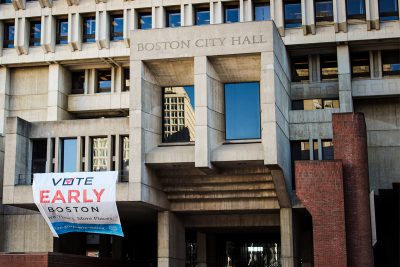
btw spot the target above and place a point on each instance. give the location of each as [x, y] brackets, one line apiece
[360, 64]
[300, 150]
[104, 81]
[178, 126]
[202, 16]
[323, 10]
[78, 82]
[89, 29]
[173, 18]
[356, 9]
[117, 27]
[68, 160]
[390, 62]
[292, 10]
[127, 82]
[315, 150]
[8, 35]
[388, 10]
[329, 67]
[62, 31]
[144, 20]
[300, 69]
[327, 150]
[242, 111]
[6, 2]
[99, 153]
[39, 152]
[231, 13]
[125, 158]
[314, 104]
[262, 11]
[34, 32]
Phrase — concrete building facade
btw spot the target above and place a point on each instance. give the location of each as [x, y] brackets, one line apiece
[87, 86]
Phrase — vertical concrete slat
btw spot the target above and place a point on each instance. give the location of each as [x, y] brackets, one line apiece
[78, 153]
[287, 248]
[57, 163]
[87, 154]
[345, 91]
[49, 158]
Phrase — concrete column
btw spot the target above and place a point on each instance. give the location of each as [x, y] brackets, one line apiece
[340, 15]
[4, 96]
[88, 156]
[201, 249]
[57, 158]
[78, 154]
[129, 23]
[372, 14]
[278, 16]
[320, 149]
[375, 64]
[75, 31]
[287, 248]
[102, 29]
[216, 12]
[48, 33]
[21, 36]
[49, 156]
[109, 152]
[59, 87]
[345, 94]
[171, 240]
[118, 152]
[187, 11]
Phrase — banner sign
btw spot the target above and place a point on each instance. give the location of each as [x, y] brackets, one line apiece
[78, 202]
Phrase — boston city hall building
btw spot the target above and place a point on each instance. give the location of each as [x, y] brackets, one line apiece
[244, 133]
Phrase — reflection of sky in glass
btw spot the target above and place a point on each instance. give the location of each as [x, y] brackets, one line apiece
[174, 19]
[390, 7]
[69, 155]
[242, 111]
[355, 7]
[36, 33]
[293, 12]
[202, 17]
[9, 35]
[90, 28]
[7, 1]
[63, 31]
[190, 92]
[117, 24]
[231, 14]
[324, 9]
[262, 12]
[144, 21]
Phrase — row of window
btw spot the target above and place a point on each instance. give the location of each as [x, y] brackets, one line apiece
[360, 65]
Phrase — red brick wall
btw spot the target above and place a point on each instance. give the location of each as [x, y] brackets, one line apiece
[350, 146]
[319, 186]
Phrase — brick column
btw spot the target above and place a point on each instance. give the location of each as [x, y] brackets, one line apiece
[350, 146]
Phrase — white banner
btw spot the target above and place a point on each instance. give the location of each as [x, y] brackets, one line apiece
[78, 202]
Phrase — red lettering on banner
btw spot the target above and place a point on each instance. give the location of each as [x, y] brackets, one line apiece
[98, 194]
[73, 195]
[58, 196]
[44, 197]
[85, 198]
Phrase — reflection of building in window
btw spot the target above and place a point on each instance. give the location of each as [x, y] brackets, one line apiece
[300, 69]
[390, 62]
[9, 29]
[360, 64]
[125, 158]
[327, 150]
[329, 67]
[292, 13]
[99, 153]
[323, 10]
[314, 104]
[388, 10]
[262, 11]
[62, 31]
[356, 9]
[35, 32]
[104, 81]
[178, 115]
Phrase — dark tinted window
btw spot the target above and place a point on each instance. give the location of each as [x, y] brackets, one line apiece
[314, 104]
[356, 9]
[262, 11]
[78, 82]
[104, 81]
[69, 150]
[125, 158]
[360, 64]
[6, 2]
[62, 31]
[323, 10]
[390, 62]
[202, 16]
[144, 22]
[39, 152]
[8, 35]
[231, 14]
[178, 114]
[329, 67]
[89, 29]
[242, 111]
[117, 27]
[300, 68]
[34, 33]
[388, 9]
[300, 150]
[327, 150]
[173, 18]
[127, 82]
[292, 11]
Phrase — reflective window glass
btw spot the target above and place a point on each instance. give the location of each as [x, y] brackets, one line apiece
[117, 27]
[104, 81]
[8, 35]
[315, 150]
[300, 150]
[300, 69]
[242, 111]
[39, 154]
[127, 82]
[231, 14]
[314, 104]
[356, 9]
[125, 158]
[292, 11]
[390, 62]
[262, 11]
[202, 16]
[173, 18]
[6, 2]
[388, 10]
[78, 82]
[329, 67]
[178, 126]
[323, 10]
[62, 31]
[68, 161]
[144, 22]
[89, 29]
[34, 34]
[99, 153]
[360, 64]
[327, 150]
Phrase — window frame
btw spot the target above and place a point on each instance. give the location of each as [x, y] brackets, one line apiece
[172, 11]
[297, 23]
[331, 77]
[34, 41]
[391, 73]
[388, 16]
[103, 90]
[323, 19]
[364, 75]
[359, 16]
[295, 77]
[141, 14]
[59, 37]
[231, 5]
[8, 43]
[258, 4]
[202, 9]
[62, 161]
[88, 37]
[116, 36]
[78, 90]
